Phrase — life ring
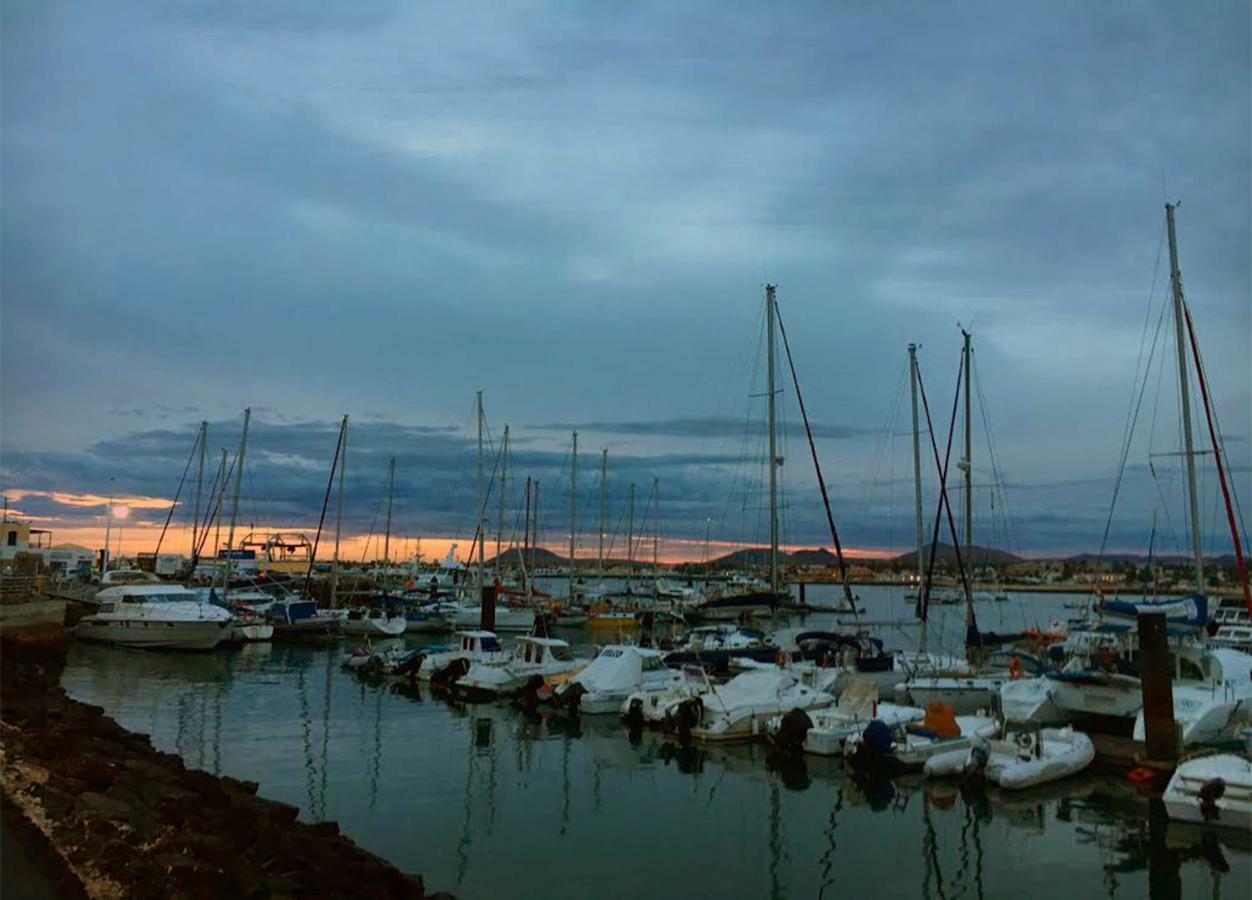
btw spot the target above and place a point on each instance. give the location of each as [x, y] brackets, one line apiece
[1015, 667]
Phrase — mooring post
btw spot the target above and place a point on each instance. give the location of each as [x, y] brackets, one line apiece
[487, 618]
[802, 600]
[1159, 730]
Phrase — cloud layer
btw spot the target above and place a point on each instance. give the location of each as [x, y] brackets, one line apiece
[379, 208]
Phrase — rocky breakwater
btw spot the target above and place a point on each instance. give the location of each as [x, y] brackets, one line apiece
[129, 821]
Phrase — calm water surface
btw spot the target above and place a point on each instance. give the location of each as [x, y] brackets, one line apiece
[486, 802]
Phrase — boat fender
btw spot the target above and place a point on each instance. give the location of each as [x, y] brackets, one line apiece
[1210, 792]
[1015, 667]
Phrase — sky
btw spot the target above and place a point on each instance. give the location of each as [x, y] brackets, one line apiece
[376, 209]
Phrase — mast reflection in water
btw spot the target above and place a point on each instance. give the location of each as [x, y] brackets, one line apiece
[493, 801]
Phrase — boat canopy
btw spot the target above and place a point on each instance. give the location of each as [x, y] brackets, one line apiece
[1181, 613]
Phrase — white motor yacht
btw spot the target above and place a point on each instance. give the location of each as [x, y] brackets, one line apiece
[651, 705]
[617, 672]
[532, 656]
[1212, 696]
[829, 728]
[373, 622]
[468, 614]
[154, 615]
[469, 647]
[739, 709]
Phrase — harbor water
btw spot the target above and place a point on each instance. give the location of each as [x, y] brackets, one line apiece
[486, 801]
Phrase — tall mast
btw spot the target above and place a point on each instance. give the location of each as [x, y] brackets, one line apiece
[656, 525]
[1184, 388]
[534, 529]
[480, 511]
[573, 504]
[334, 563]
[773, 439]
[504, 468]
[917, 468]
[967, 468]
[195, 516]
[221, 497]
[630, 532]
[526, 538]
[234, 501]
[391, 492]
[604, 502]
[108, 530]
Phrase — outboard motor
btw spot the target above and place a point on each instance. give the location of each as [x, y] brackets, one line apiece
[1210, 792]
[571, 698]
[449, 674]
[634, 716]
[876, 742]
[792, 730]
[410, 667]
[686, 717]
[528, 696]
[979, 755]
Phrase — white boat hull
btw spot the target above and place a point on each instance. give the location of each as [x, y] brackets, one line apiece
[389, 627]
[155, 635]
[966, 695]
[255, 631]
[1064, 752]
[1233, 809]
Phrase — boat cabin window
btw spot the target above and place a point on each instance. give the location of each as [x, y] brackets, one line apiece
[467, 643]
[490, 645]
[653, 664]
[157, 598]
[611, 652]
[561, 653]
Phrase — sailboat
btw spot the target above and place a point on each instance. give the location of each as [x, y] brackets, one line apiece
[1212, 686]
[975, 685]
[749, 598]
[468, 611]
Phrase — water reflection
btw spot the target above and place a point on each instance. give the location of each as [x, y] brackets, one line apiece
[497, 801]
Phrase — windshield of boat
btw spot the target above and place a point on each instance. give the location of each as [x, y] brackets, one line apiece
[490, 645]
[653, 664]
[160, 598]
[561, 653]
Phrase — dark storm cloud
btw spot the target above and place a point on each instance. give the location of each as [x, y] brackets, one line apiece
[698, 427]
[326, 208]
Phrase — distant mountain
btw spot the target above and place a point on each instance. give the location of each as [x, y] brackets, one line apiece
[758, 557]
[537, 556]
[983, 556]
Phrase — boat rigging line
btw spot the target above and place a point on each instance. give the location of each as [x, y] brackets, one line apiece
[321, 521]
[817, 466]
[944, 505]
[177, 494]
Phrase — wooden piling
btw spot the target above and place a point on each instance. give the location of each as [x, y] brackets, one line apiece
[1160, 730]
[487, 617]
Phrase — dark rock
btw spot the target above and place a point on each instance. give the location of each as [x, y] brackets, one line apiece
[104, 805]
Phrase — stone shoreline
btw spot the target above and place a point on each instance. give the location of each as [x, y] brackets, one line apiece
[127, 820]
